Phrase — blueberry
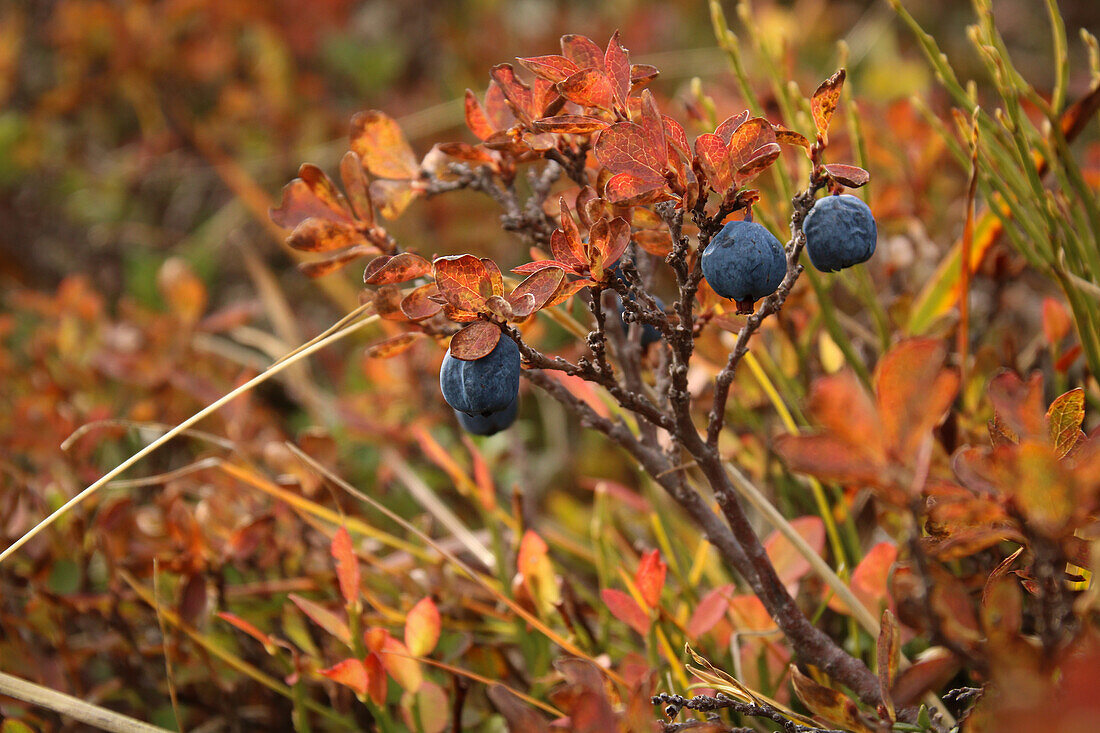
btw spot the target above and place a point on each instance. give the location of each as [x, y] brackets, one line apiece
[744, 262]
[482, 386]
[840, 232]
[490, 424]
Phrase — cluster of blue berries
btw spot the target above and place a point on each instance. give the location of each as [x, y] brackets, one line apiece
[484, 393]
[745, 262]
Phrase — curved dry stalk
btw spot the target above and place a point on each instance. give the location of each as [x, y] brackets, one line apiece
[277, 367]
[73, 707]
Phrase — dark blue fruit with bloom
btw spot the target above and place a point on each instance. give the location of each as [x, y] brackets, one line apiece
[744, 262]
[490, 424]
[840, 232]
[482, 386]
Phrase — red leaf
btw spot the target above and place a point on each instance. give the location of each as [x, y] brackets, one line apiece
[469, 153]
[246, 627]
[475, 341]
[347, 565]
[532, 550]
[385, 152]
[582, 51]
[713, 157]
[759, 163]
[650, 578]
[869, 579]
[589, 88]
[783, 136]
[395, 659]
[627, 189]
[626, 609]
[676, 138]
[463, 281]
[851, 176]
[323, 235]
[541, 286]
[376, 678]
[624, 148]
[641, 75]
[552, 68]
[299, 204]
[617, 240]
[422, 626]
[709, 611]
[617, 64]
[517, 93]
[789, 563]
[323, 617]
[529, 267]
[476, 119]
[396, 269]
[568, 290]
[748, 140]
[497, 110]
[828, 457]
[730, 125]
[824, 101]
[350, 672]
[324, 191]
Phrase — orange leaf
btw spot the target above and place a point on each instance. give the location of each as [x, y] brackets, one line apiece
[417, 305]
[913, 392]
[396, 269]
[851, 176]
[397, 661]
[323, 617]
[463, 281]
[730, 125]
[182, 290]
[650, 578]
[829, 458]
[869, 579]
[888, 657]
[336, 260]
[379, 142]
[626, 609]
[641, 75]
[394, 345]
[709, 611]
[357, 186]
[1056, 322]
[475, 341]
[422, 626]
[748, 140]
[347, 565]
[824, 101]
[783, 136]
[350, 672]
[572, 124]
[393, 197]
[1019, 405]
[626, 148]
[588, 88]
[713, 157]
[568, 290]
[299, 203]
[532, 550]
[830, 704]
[756, 165]
[841, 404]
[519, 95]
[540, 286]
[476, 119]
[1064, 419]
[552, 68]
[789, 563]
[323, 235]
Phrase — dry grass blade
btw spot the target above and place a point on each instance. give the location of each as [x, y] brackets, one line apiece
[454, 560]
[72, 707]
[210, 409]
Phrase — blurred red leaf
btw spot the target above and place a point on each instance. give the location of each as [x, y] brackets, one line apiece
[519, 715]
[650, 578]
[626, 609]
[789, 563]
[323, 617]
[376, 678]
[336, 260]
[709, 611]
[350, 672]
[870, 578]
[1056, 322]
[393, 197]
[323, 235]
[475, 341]
[422, 627]
[357, 187]
[828, 703]
[532, 550]
[913, 392]
[396, 659]
[347, 565]
[394, 345]
[417, 305]
[378, 141]
[251, 630]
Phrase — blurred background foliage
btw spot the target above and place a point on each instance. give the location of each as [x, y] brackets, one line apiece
[141, 143]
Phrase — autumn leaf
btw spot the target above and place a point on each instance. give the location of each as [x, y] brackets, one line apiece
[377, 139]
[323, 617]
[422, 627]
[350, 672]
[394, 345]
[870, 578]
[1064, 419]
[828, 703]
[250, 629]
[475, 341]
[347, 566]
[397, 268]
[623, 607]
[463, 281]
[789, 563]
[851, 176]
[824, 101]
[650, 578]
[710, 609]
